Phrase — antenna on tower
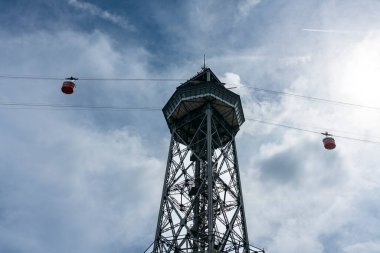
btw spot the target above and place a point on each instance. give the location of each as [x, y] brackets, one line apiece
[204, 61]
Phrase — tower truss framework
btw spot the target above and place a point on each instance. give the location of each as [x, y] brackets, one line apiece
[202, 208]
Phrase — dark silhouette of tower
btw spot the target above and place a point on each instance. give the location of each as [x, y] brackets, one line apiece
[202, 207]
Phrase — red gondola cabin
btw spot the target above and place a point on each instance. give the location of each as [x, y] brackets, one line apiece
[329, 142]
[68, 87]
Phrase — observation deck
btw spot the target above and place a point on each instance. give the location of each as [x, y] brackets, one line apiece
[192, 97]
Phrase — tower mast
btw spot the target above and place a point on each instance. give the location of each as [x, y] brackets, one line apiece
[202, 208]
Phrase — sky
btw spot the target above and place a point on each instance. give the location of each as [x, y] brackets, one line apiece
[86, 180]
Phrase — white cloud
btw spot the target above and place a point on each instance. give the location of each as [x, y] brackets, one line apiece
[246, 6]
[71, 183]
[84, 185]
[370, 247]
[103, 14]
[77, 181]
[307, 196]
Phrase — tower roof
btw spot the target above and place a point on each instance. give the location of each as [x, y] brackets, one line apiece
[205, 75]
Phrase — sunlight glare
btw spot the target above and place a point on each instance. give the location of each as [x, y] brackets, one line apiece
[360, 73]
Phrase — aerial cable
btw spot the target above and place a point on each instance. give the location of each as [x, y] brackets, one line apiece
[89, 79]
[132, 79]
[311, 131]
[74, 107]
[281, 125]
[150, 108]
[182, 79]
[30, 77]
[313, 98]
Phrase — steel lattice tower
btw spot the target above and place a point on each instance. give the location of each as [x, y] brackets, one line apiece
[202, 207]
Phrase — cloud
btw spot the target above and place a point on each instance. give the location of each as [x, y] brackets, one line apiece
[370, 247]
[246, 6]
[103, 14]
[90, 181]
[80, 184]
[333, 31]
[282, 168]
[73, 180]
[315, 196]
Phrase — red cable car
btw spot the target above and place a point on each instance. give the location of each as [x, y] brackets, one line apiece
[68, 85]
[328, 141]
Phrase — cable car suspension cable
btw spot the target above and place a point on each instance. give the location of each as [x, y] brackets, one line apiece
[311, 131]
[149, 108]
[90, 79]
[312, 98]
[83, 107]
[183, 79]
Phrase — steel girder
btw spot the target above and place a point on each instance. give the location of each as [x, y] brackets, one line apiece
[202, 207]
